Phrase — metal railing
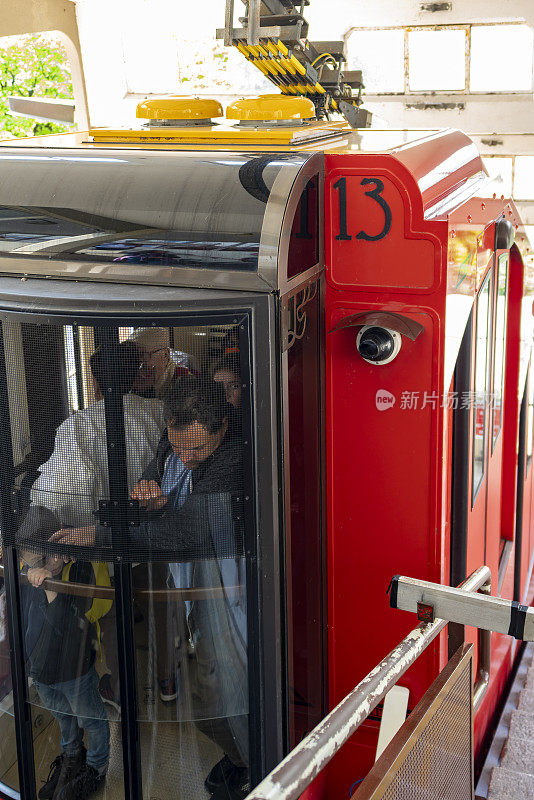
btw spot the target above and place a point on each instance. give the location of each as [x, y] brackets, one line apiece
[294, 774]
[95, 591]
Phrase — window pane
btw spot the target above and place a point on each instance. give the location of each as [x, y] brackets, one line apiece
[437, 60]
[524, 178]
[481, 369]
[501, 58]
[500, 168]
[186, 554]
[500, 335]
[380, 54]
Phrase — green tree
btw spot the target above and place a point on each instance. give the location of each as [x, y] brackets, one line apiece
[32, 65]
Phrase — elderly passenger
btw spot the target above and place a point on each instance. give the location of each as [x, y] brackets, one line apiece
[161, 366]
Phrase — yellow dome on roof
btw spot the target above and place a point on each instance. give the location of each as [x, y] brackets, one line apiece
[173, 107]
[266, 107]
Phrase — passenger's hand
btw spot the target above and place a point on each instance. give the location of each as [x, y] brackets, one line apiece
[37, 575]
[149, 495]
[84, 537]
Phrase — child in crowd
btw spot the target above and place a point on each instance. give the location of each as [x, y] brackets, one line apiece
[61, 639]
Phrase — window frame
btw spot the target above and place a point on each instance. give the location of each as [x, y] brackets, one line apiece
[468, 28]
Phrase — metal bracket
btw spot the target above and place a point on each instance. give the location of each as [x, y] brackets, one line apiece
[113, 513]
[477, 609]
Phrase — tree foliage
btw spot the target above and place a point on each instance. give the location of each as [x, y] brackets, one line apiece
[32, 65]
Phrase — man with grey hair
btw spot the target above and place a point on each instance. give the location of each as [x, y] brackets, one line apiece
[161, 366]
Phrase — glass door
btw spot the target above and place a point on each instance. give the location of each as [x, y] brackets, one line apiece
[131, 558]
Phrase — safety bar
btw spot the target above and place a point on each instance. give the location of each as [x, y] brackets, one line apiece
[157, 595]
[294, 774]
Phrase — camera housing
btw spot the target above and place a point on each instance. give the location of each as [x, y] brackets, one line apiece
[378, 345]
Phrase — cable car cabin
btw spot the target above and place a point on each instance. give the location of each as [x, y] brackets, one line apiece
[202, 327]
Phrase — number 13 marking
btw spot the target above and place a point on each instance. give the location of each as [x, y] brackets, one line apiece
[376, 194]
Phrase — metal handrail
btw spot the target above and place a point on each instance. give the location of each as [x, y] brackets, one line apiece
[97, 591]
[294, 774]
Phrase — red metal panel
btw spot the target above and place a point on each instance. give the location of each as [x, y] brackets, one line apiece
[384, 496]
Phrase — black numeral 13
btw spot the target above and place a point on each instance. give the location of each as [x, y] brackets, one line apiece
[376, 194]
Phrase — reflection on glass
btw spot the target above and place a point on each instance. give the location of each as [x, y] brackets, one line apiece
[184, 467]
[191, 624]
[481, 369]
[62, 632]
[69, 626]
[181, 210]
[43, 236]
[500, 336]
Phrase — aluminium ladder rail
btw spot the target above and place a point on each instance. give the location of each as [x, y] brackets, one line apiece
[294, 774]
[466, 608]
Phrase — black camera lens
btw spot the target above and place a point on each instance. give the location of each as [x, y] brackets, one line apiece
[376, 344]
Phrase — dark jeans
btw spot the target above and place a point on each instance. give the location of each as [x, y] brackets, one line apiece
[77, 706]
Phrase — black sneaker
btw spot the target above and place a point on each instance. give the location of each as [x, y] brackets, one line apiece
[86, 783]
[222, 773]
[47, 790]
[107, 693]
[70, 767]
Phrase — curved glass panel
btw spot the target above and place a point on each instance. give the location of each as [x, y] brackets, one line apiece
[179, 538]
[181, 209]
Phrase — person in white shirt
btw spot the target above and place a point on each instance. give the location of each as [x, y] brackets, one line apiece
[75, 478]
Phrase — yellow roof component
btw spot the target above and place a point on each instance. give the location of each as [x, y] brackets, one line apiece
[178, 108]
[225, 136]
[271, 107]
